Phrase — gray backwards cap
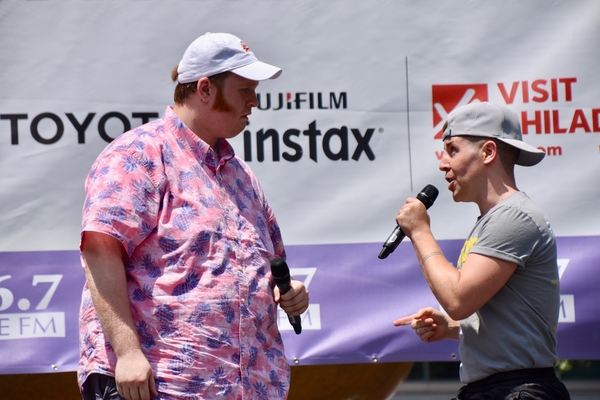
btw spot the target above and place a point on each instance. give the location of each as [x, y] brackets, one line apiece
[485, 119]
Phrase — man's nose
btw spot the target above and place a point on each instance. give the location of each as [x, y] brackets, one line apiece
[444, 165]
[253, 102]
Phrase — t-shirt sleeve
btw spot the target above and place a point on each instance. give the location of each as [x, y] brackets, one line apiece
[121, 199]
[510, 234]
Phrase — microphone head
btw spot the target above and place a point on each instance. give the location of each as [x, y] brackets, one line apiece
[428, 195]
[279, 268]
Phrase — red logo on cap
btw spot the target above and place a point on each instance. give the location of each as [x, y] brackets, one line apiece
[244, 46]
[445, 98]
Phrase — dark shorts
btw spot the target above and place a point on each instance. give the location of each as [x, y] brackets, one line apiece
[525, 384]
[100, 387]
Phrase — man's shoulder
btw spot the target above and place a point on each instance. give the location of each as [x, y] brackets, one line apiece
[148, 139]
[516, 217]
[144, 150]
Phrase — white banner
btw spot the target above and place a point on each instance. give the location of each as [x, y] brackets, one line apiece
[354, 110]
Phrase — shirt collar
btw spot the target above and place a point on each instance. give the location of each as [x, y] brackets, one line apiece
[223, 151]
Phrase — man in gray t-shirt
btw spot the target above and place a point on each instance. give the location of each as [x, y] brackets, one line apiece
[501, 301]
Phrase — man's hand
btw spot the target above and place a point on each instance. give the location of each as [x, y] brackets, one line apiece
[431, 325]
[134, 377]
[294, 301]
[413, 217]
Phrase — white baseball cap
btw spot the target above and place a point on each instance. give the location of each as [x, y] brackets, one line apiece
[483, 119]
[213, 53]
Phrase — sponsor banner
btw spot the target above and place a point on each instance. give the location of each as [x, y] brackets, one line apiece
[40, 293]
[357, 132]
[355, 297]
[339, 141]
[559, 112]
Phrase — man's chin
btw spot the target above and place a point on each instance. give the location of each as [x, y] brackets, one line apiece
[456, 197]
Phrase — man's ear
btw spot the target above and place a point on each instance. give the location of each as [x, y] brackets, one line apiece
[490, 151]
[205, 89]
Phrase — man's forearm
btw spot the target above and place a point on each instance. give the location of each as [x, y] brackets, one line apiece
[106, 279]
[440, 274]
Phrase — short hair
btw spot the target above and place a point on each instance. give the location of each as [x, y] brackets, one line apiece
[185, 90]
[508, 154]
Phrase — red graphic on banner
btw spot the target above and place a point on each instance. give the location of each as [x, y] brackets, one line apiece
[445, 98]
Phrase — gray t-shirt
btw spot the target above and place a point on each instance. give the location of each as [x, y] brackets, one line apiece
[516, 328]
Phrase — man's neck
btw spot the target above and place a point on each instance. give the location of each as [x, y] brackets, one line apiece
[494, 195]
[191, 118]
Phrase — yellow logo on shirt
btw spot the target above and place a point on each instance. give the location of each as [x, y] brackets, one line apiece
[464, 253]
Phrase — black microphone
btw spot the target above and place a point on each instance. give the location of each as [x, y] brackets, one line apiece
[281, 274]
[427, 197]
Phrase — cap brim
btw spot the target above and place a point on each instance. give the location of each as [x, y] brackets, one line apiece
[258, 71]
[529, 155]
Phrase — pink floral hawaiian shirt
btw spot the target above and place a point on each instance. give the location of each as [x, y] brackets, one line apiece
[200, 235]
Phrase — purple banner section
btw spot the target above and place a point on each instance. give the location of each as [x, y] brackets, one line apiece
[40, 293]
[354, 296]
[359, 296]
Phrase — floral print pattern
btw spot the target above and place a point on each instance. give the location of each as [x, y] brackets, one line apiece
[200, 235]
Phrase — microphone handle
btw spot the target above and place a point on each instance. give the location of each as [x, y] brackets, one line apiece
[427, 196]
[295, 320]
[296, 324]
[392, 242]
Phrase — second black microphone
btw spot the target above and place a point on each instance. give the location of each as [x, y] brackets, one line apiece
[427, 196]
[281, 274]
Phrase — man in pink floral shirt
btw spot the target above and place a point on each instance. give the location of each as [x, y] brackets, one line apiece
[177, 238]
